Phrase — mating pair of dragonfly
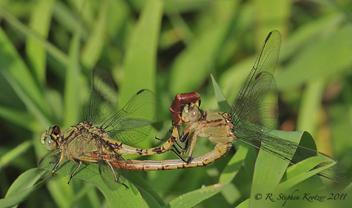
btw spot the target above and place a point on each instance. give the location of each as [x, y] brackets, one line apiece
[108, 133]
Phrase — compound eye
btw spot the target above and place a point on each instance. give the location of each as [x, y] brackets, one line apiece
[49, 143]
[194, 114]
[56, 130]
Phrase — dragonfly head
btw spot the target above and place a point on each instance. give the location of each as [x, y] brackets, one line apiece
[191, 113]
[49, 138]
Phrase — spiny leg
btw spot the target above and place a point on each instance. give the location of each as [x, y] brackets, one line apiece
[190, 145]
[115, 178]
[177, 153]
[58, 163]
[74, 172]
[173, 139]
[55, 159]
[190, 138]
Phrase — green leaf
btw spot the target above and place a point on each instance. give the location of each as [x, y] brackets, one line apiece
[12, 64]
[194, 197]
[22, 187]
[324, 58]
[89, 172]
[304, 170]
[234, 165]
[140, 61]
[71, 99]
[32, 107]
[269, 169]
[40, 23]
[55, 52]
[94, 46]
[311, 100]
[21, 118]
[269, 17]
[220, 98]
[193, 65]
[14, 153]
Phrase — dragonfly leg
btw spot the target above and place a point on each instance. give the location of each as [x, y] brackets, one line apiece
[169, 133]
[191, 144]
[58, 163]
[75, 171]
[115, 178]
[164, 140]
[187, 138]
[177, 153]
[55, 159]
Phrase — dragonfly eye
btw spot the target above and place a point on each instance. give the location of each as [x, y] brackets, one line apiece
[49, 143]
[184, 114]
[56, 130]
[48, 138]
[194, 114]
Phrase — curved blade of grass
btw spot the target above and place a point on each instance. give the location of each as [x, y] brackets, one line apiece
[21, 118]
[269, 169]
[71, 98]
[149, 194]
[234, 165]
[192, 66]
[316, 61]
[68, 19]
[55, 52]
[140, 61]
[117, 197]
[36, 53]
[93, 48]
[193, 198]
[14, 153]
[300, 38]
[32, 107]
[13, 65]
[22, 187]
[62, 194]
[269, 17]
[311, 102]
[220, 98]
[302, 171]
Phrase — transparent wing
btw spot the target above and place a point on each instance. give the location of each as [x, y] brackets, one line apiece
[289, 151]
[254, 113]
[132, 123]
[256, 101]
[103, 97]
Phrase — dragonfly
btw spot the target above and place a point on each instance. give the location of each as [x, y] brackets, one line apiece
[251, 118]
[218, 152]
[107, 133]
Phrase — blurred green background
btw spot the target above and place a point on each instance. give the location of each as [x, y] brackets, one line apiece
[48, 49]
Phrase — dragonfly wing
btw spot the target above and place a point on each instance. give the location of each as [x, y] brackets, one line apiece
[132, 123]
[289, 151]
[103, 97]
[256, 101]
